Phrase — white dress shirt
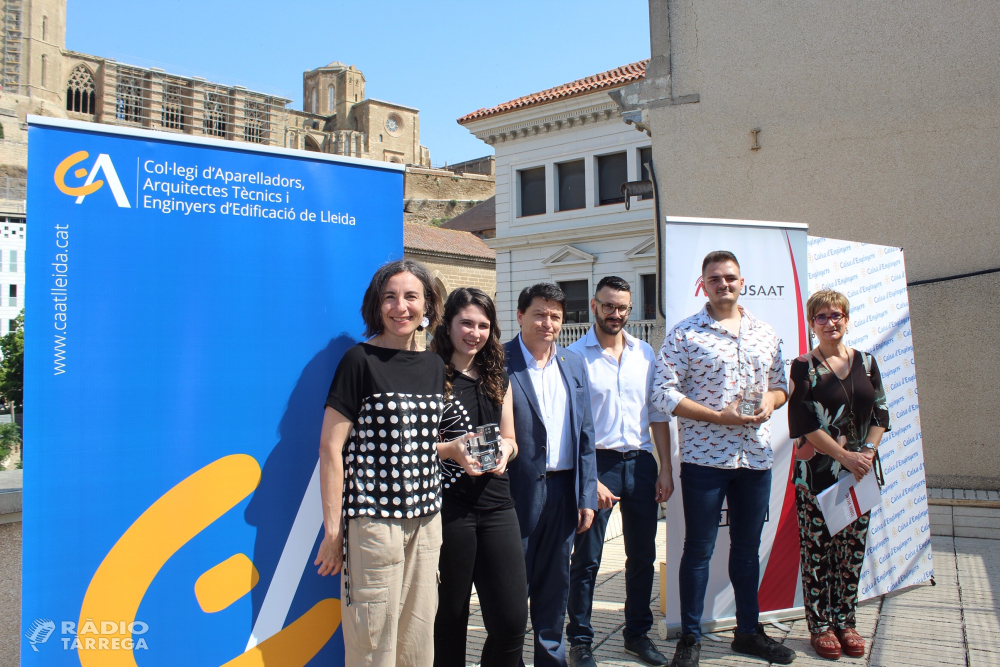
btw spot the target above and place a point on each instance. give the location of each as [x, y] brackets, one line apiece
[553, 400]
[620, 393]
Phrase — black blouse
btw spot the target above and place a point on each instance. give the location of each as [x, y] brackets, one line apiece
[395, 399]
[820, 400]
[468, 409]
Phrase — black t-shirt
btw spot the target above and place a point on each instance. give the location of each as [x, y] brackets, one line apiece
[820, 400]
[395, 400]
[468, 409]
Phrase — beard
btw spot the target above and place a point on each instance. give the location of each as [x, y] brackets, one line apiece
[610, 328]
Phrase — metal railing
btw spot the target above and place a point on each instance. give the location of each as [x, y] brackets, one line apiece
[571, 333]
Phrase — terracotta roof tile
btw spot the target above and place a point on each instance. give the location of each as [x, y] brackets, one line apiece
[610, 79]
[446, 241]
[479, 218]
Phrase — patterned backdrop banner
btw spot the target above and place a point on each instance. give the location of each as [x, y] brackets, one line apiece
[874, 279]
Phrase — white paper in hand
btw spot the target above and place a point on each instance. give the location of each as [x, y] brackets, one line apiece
[848, 499]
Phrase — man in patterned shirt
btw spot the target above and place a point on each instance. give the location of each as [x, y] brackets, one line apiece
[704, 366]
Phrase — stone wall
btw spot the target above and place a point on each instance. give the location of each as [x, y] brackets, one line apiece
[434, 211]
[446, 185]
[10, 594]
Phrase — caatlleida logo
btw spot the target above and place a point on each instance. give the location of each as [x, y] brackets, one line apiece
[39, 632]
[90, 186]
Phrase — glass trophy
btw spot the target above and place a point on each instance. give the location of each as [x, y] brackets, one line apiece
[485, 447]
[750, 401]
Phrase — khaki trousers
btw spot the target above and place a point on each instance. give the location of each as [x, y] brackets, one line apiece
[393, 565]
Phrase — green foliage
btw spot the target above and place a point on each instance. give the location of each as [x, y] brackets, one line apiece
[437, 222]
[10, 439]
[12, 364]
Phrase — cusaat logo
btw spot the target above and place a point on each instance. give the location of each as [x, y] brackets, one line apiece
[699, 287]
[90, 186]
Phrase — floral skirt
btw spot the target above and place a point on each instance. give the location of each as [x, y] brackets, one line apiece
[831, 566]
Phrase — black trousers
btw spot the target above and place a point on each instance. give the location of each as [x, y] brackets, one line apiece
[481, 547]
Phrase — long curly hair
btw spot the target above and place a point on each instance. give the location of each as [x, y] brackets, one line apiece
[489, 361]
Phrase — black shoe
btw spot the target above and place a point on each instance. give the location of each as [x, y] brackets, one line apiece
[762, 646]
[688, 652]
[580, 656]
[644, 649]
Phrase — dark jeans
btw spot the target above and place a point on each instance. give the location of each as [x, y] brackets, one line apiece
[547, 552]
[747, 493]
[634, 481]
[482, 547]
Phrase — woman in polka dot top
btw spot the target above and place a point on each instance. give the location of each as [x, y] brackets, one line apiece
[380, 478]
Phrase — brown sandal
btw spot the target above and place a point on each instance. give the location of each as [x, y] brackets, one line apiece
[852, 643]
[826, 645]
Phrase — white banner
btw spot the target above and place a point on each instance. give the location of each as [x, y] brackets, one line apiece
[772, 259]
[874, 279]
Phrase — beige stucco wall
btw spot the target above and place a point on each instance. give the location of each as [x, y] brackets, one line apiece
[10, 594]
[878, 123]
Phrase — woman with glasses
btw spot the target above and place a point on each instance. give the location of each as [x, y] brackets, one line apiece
[481, 536]
[837, 409]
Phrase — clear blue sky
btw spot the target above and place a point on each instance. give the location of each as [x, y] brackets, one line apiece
[445, 58]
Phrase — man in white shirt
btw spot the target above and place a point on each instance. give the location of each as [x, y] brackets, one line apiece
[553, 480]
[620, 372]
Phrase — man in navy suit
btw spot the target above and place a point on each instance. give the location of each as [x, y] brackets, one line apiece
[553, 480]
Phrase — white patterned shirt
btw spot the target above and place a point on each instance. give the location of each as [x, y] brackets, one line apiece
[702, 361]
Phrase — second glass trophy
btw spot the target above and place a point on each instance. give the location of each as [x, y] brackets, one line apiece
[485, 447]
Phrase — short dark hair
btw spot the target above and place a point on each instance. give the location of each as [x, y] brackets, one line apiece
[613, 282]
[546, 291]
[717, 256]
[371, 305]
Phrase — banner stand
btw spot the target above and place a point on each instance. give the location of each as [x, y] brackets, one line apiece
[669, 632]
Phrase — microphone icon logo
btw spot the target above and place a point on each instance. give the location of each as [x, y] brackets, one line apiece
[39, 632]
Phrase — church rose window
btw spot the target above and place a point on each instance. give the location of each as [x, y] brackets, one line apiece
[80, 91]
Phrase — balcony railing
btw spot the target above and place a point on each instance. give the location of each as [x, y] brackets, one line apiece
[571, 333]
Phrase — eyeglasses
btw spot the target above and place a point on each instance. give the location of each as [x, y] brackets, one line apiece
[823, 318]
[610, 308]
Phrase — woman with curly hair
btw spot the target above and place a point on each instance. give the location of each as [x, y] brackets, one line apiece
[481, 539]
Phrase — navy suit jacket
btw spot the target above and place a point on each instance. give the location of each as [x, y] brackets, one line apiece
[527, 470]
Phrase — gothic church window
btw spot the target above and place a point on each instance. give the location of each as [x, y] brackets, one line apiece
[315, 106]
[128, 96]
[45, 69]
[172, 112]
[216, 115]
[80, 91]
[331, 97]
[255, 121]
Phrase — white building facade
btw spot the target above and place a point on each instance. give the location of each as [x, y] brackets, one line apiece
[11, 269]
[561, 158]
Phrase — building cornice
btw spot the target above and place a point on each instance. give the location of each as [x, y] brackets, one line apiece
[567, 236]
[554, 117]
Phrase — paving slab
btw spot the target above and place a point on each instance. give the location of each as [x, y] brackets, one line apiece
[955, 622]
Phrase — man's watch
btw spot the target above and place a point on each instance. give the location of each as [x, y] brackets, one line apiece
[869, 446]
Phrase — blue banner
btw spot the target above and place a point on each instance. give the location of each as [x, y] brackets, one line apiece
[188, 301]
